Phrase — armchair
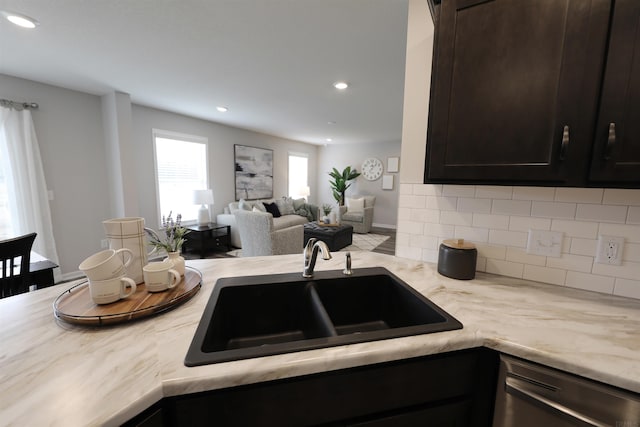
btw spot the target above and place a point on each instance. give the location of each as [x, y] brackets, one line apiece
[358, 213]
[259, 237]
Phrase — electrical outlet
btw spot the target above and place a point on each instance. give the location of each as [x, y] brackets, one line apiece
[543, 242]
[104, 243]
[609, 250]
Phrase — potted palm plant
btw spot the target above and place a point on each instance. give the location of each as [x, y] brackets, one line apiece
[340, 182]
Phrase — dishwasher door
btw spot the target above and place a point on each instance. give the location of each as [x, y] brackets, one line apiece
[531, 395]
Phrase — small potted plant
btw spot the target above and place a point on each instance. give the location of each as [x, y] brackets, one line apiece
[326, 209]
[171, 240]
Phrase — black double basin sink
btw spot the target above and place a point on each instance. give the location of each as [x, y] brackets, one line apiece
[255, 316]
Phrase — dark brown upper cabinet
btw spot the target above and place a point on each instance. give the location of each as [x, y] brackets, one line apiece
[516, 88]
[616, 148]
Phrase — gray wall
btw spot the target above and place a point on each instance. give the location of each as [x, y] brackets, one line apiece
[71, 136]
[341, 156]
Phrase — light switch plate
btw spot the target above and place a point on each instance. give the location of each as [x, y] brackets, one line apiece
[544, 242]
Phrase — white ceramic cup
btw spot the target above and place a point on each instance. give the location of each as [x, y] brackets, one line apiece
[107, 264]
[111, 290]
[160, 276]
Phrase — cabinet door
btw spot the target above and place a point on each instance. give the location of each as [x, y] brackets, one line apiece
[616, 153]
[514, 90]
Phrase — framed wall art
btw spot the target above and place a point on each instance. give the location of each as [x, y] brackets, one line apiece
[393, 164]
[387, 182]
[253, 172]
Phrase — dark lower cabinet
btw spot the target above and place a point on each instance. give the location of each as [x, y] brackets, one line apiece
[451, 389]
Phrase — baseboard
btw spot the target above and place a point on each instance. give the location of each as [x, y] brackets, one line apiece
[389, 226]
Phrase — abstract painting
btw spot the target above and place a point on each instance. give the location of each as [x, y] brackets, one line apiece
[254, 172]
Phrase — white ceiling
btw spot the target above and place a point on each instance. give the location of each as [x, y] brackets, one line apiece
[271, 62]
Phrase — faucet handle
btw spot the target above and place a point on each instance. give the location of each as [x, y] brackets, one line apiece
[347, 269]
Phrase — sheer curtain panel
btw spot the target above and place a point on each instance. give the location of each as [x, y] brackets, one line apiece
[27, 190]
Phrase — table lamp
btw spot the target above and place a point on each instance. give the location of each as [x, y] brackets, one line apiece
[203, 198]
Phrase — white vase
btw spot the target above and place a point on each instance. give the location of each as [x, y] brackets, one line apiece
[178, 262]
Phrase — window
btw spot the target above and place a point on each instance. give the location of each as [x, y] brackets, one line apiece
[298, 167]
[181, 167]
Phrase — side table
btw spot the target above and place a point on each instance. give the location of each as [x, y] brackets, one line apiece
[208, 237]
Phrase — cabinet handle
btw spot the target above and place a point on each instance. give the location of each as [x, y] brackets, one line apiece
[565, 142]
[611, 141]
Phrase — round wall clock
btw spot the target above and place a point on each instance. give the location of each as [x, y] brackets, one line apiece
[372, 169]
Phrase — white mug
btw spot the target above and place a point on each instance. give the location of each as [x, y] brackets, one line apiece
[111, 290]
[160, 276]
[107, 264]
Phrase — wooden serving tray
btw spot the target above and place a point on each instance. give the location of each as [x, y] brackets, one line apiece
[76, 306]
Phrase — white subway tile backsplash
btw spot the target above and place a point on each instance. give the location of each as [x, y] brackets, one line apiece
[571, 262]
[429, 255]
[579, 195]
[633, 216]
[505, 268]
[471, 233]
[631, 233]
[585, 247]
[412, 201]
[631, 252]
[621, 196]
[627, 288]
[544, 274]
[526, 223]
[511, 207]
[628, 270]
[553, 210]
[590, 282]
[508, 238]
[410, 227]
[491, 251]
[423, 242]
[466, 204]
[500, 222]
[425, 215]
[497, 219]
[520, 255]
[442, 203]
[603, 213]
[534, 193]
[459, 190]
[428, 190]
[443, 231]
[585, 230]
[494, 192]
[456, 218]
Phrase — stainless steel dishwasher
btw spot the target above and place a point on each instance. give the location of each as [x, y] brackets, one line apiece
[531, 395]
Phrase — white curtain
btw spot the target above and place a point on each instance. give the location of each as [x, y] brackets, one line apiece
[24, 175]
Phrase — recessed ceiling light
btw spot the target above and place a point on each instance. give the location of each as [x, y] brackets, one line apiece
[331, 122]
[328, 139]
[21, 20]
[222, 109]
[340, 85]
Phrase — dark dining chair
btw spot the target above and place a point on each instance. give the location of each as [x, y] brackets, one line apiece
[15, 253]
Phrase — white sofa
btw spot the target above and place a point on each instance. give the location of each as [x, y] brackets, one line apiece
[279, 223]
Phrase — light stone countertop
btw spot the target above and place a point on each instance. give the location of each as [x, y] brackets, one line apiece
[53, 373]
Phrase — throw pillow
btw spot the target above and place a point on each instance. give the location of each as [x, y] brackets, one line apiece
[256, 209]
[272, 208]
[259, 206]
[355, 205]
[285, 206]
[243, 205]
[298, 203]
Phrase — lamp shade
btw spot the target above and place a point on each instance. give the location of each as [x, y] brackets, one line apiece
[203, 197]
[305, 191]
